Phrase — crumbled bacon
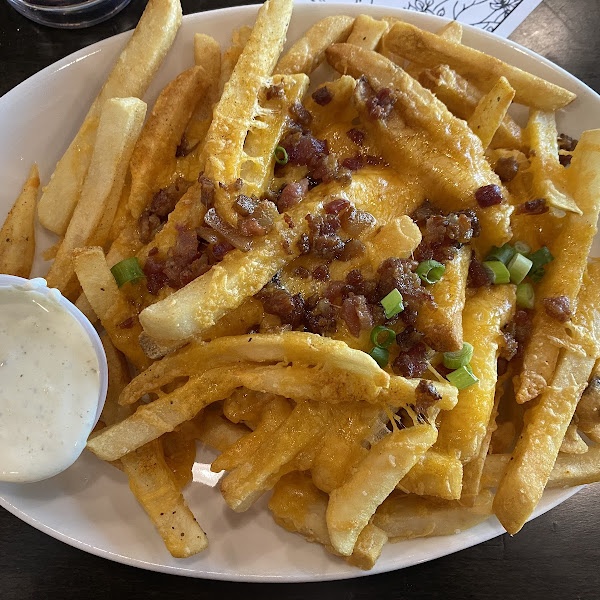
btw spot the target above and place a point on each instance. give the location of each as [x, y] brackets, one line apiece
[322, 96]
[558, 308]
[412, 363]
[278, 301]
[292, 194]
[478, 276]
[423, 212]
[231, 234]
[408, 338]
[184, 148]
[289, 221]
[355, 222]
[518, 332]
[337, 206]
[566, 142]
[356, 314]
[426, 395]
[275, 91]
[532, 207]
[489, 195]
[354, 163]
[260, 222]
[379, 104]
[244, 205]
[302, 272]
[352, 249]
[207, 191]
[356, 135]
[506, 168]
[321, 273]
[300, 114]
[320, 316]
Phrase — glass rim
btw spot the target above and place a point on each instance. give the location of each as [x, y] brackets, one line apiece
[68, 8]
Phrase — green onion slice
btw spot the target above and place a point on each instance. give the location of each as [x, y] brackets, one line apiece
[460, 358]
[462, 378]
[502, 254]
[377, 334]
[497, 271]
[539, 258]
[281, 155]
[522, 248]
[525, 295]
[381, 356]
[518, 267]
[127, 270]
[430, 271]
[392, 304]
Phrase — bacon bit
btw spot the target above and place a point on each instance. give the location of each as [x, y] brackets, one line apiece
[478, 276]
[279, 302]
[300, 114]
[558, 308]
[337, 206]
[207, 191]
[289, 221]
[356, 314]
[183, 149]
[489, 195]
[564, 159]
[292, 194]
[219, 250]
[566, 142]
[426, 395]
[510, 347]
[244, 205]
[302, 272]
[356, 222]
[303, 244]
[412, 363]
[380, 105]
[354, 163]
[352, 249]
[274, 91]
[127, 323]
[153, 251]
[532, 207]
[322, 96]
[423, 212]
[408, 338]
[356, 135]
[506, 168]
[231, 234]
[320, 316]
[321, 273]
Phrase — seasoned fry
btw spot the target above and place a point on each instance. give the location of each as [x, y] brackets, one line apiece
[388, 461]
[214, 430]
[130, 77]
[366, 32]
[442, 323]
[573, 443]
[17, 236]
[430, 50]
[462, 429]
[564, 273]
[490, 111]
[436, 475]
[546, 422]
[309, 51]
[239, 39]
[119, 126]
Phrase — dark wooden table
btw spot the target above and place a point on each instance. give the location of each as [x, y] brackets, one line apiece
[555, 557]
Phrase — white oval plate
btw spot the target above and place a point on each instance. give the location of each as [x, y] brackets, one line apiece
[90, 506]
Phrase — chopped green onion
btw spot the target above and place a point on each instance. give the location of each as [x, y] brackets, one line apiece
[390, 336]
[460, 358]
[381, 356]
[502, 254]
[518, 267]
[462, 378]
[281, 155]
[522, 248]
[430, 271]
[392, 304]
[539, 258]
[127, 270]
[497, 271]
[525, 295]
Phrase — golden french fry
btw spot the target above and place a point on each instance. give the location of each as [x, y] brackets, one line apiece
[409, 517]
[573, 443]
[155, 488]
[462, 97]
[180, 454]
[569, 469]
[442, 322]
[17, 236]
[588, 409]
[309, 51]
[131, 76]
[239, 39]
[118, 378]
[119, 126]
[462, 429]
[117, 315]
[436, 475]
[367, 32]
[564, 274]
[547, 420]
[429, 50]
[354, 503]
[430, 143]
[490, 111]
[214, 430]
[237, 107]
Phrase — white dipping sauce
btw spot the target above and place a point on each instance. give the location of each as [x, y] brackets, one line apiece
[49, 386]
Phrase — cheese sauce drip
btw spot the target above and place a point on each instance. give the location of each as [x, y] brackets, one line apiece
[49, 386]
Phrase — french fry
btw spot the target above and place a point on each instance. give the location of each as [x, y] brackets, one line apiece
[549, 176]
[17, 236]
[260, 471]
[569, 470]
[130, 77]
[298, 506]
[354, 503]
[214, 430]
[118, 129]
[109, 303]
[546, 422]
[408, 517]
[309, 51]
[490, 111]
[573, 443]
[417, 119]
[429, 50]
[239, 39]
[238, 104]
[180, 454]
[367, 32]
[462, 97]
[442, 325]
[564, 274]
[118, 378]
[588, 409]
[436, 475]
[156, 147]
[155, 488]
[463, 429]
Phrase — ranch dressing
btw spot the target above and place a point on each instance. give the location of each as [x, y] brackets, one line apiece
[49, 384]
